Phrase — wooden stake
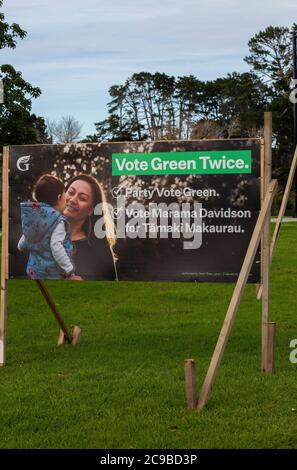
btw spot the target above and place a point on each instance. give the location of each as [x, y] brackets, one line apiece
[259, 292]
[262, 195]
[269, 353]
[61, 338]
[67, 335]
[190, 380]
[76, 335]
[266, 237]
[64, 336]
[4, 256]
[236, 297]
[267, 151]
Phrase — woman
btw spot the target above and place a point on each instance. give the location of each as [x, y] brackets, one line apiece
[93, 257]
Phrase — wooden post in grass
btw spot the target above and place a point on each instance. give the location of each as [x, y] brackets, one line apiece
[190, 380]
[65, 335]
[270, 354]
[236, 297]
[267, 348]
[4, 257]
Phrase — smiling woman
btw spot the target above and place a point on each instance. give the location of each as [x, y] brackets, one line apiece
[93, 257]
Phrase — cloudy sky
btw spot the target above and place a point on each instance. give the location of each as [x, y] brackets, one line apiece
[76, 49]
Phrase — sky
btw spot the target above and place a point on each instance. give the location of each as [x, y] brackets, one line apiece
[76, 50]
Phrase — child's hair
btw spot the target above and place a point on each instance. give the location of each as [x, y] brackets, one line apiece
[47, 189]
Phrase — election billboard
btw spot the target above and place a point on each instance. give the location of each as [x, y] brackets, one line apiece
[147, 211]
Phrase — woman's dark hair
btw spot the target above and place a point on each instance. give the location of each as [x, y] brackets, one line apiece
[98, 197]
[47, 189]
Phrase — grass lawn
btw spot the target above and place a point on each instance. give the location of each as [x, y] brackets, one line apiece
[123, 386]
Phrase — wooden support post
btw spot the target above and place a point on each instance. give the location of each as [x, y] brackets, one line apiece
[266, 239]
[269, 353]
[62, 338]
[65, 335]
[259, 286]
[236, 297]
[4, 256]
[190, 381]
[57, 315]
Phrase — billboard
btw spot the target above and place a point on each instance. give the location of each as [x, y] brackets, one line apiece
[147, 211]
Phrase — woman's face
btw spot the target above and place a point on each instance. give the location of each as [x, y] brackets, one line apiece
[79, 201]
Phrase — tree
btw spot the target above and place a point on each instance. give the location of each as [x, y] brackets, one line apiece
[9, 33]
[271, 56]
[50, 129]
[17, 124]
[207, 129]
[67, 130]
[90, 138]
[189, 97]
[150, 106]
[39, 126]
[158, 106]
[271, 59]
[139, 109]
[230, 107]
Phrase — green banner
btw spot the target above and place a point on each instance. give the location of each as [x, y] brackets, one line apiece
[215, 162]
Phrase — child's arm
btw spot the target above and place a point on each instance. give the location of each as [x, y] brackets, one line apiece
[22, 245]
[59, 253]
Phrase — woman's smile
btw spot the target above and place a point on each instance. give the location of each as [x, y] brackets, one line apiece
[71, 208]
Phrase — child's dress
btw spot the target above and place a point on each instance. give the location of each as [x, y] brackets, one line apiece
[46, 235]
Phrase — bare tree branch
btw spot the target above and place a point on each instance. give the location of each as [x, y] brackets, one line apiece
[67, 130]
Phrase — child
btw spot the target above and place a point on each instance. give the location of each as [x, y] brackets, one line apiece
[46, 232]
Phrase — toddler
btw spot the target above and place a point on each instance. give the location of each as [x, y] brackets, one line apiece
[46, 233]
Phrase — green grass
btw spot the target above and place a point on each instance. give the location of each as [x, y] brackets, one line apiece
[123, 386]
